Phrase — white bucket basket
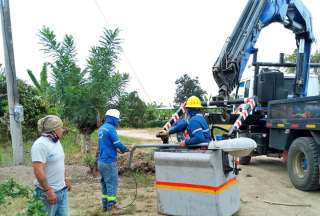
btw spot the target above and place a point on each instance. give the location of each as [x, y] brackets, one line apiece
[237, 147]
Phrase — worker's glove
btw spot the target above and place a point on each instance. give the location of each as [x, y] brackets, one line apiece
[124, 151]
[163, 133]
[183, 144]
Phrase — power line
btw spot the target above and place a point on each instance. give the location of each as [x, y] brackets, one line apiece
[138, 79]
[101, 12]
[125, 56]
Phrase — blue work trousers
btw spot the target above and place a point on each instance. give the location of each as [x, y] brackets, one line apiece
[109, 183]
[58, 209]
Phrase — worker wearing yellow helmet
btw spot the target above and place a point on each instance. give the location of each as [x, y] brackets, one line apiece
[196, 125]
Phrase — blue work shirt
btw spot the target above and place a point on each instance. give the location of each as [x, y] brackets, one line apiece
[108, 141]
[197, 128]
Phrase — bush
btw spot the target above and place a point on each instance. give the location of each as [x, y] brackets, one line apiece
[14, 190]
[34, 107]
[89, 160]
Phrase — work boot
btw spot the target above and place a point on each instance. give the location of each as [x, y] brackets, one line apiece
[114, 210]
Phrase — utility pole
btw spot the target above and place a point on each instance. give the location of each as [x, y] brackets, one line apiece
[15, 110]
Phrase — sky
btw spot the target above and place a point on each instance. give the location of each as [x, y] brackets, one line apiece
[162, 39]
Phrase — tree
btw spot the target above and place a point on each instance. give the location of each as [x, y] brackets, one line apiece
[186, 87]
[133, 110]
[315, 58]
[81, 95]
[34, 108]
[293, 59]
[3, 106]
[106, 84]
[33, 104]
[44, 88]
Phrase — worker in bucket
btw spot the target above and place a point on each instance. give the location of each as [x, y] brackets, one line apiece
[108, 145]
[196, 126]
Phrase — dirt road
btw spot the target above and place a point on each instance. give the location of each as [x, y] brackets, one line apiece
[265, 180]
[147, 134]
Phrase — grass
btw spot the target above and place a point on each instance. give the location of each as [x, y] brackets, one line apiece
[5, 156]
[16, 199]
[84, 199]
[219, 131]
[142, 179]
[70, 146]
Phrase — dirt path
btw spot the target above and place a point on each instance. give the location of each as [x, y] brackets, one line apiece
[146, 134]
[266, 179]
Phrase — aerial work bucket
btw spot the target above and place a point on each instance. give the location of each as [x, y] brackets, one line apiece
[194, 183]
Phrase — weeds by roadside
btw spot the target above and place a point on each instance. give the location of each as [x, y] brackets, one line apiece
[69, 142]
[10, 191]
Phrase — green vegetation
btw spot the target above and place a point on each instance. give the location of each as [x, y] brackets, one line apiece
[80, 96]
[13, 191]
[69, 142]
[89, 160]
[5, 155]
[34, 108]
[315, 58]
[142, 179]
[136, 113]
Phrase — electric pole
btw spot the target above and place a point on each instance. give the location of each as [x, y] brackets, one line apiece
[15, 110]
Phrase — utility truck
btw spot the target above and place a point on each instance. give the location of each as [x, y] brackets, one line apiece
[281, 113]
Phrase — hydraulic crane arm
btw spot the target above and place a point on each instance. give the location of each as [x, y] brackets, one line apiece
[257, 14]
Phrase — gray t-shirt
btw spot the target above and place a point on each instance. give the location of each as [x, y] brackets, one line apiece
[52, 155]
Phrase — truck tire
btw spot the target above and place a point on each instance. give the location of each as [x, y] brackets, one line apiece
[245, 160]
[303, 164]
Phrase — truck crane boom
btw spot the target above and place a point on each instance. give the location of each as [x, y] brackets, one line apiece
[257, 14]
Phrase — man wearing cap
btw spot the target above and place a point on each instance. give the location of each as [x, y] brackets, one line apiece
[196, 126]
[48, 165]
[108, 144]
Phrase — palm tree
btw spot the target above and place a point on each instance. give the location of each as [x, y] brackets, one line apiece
[82, 95]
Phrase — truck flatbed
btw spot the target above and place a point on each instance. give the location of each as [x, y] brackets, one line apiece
[295, 113]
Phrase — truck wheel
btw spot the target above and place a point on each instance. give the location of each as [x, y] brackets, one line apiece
[245, 160]
[303, 164]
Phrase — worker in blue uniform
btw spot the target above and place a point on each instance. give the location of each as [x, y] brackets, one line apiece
[108, 144]
[196, 126]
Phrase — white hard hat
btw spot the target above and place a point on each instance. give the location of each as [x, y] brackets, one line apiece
[114, 113]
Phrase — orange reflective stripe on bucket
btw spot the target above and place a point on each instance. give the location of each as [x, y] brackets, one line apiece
[196, 188]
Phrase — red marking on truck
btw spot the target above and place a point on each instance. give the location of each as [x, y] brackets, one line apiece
[294, 126]
[269, 125]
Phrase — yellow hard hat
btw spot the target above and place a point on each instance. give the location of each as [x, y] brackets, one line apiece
[193, 102]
